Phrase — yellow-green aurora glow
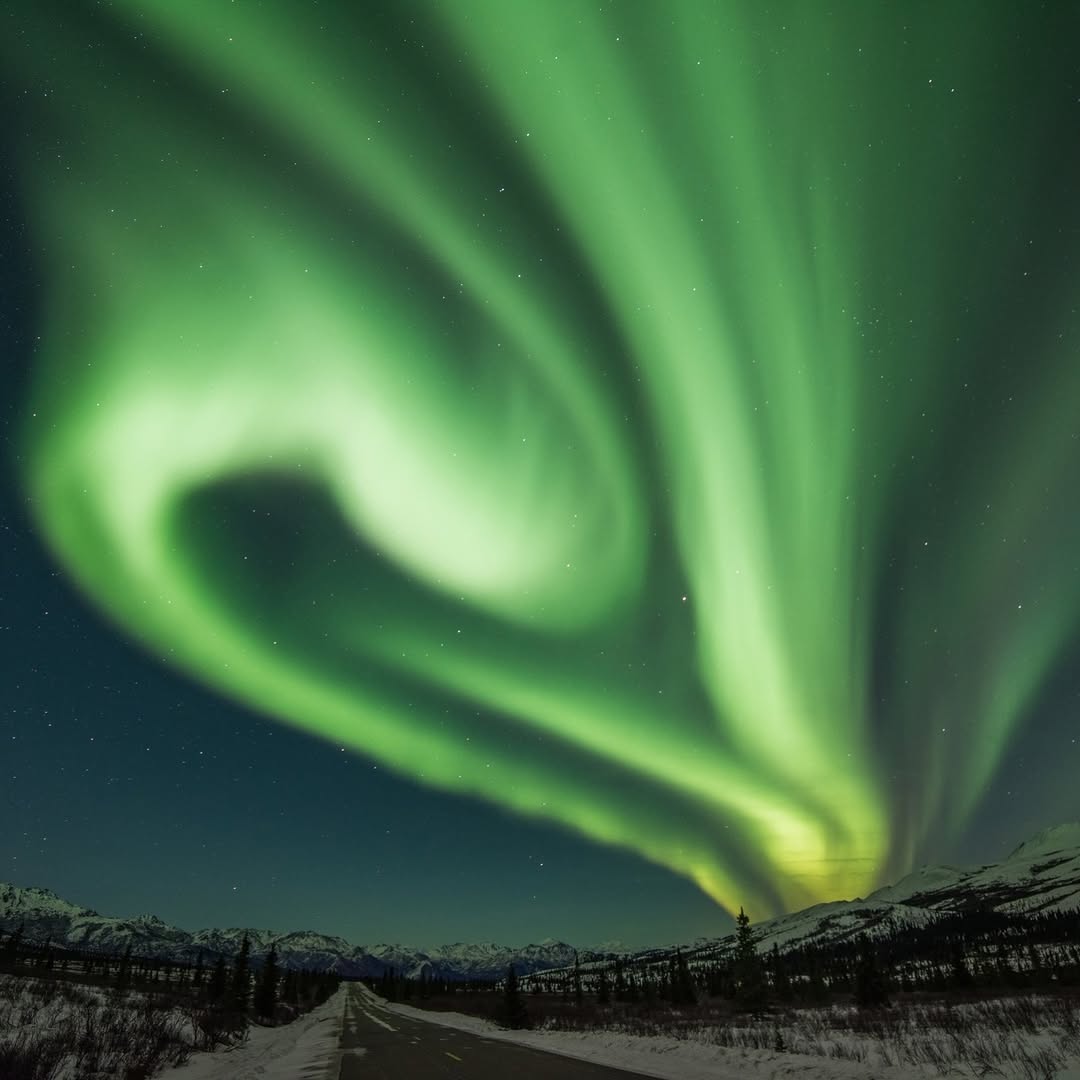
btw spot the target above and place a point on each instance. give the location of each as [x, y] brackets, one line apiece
[566, 403]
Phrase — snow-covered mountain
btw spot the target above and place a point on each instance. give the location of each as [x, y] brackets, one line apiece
[44, 916]
[1041, 875]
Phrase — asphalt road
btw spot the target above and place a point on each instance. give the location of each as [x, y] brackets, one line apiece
[380, 1045]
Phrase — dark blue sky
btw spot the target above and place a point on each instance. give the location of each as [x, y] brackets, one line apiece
[128, 787]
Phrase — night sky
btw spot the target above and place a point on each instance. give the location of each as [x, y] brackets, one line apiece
[507, 470]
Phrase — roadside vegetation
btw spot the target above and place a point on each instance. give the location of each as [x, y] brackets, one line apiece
[80, 1015]
[989, 996]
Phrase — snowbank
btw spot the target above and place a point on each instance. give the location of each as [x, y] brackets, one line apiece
[306, 1049]
[701, 1059]
[665, 1059]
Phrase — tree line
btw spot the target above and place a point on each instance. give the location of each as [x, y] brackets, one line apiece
[974, 951]
[223, 994]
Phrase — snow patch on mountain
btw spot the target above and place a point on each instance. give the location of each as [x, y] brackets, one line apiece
[43, 916]
[1042, 874]
[1058, 838]
[925, 879]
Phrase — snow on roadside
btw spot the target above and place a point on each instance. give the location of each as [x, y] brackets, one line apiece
[306, 1049]
[683, 1059]
[665, 1059]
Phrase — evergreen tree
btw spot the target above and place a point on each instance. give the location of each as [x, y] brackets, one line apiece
[123, 972]
[290, 989]
[1005, 971]
[603, 989]
[620, 982]
[218, 985]
[960, 976]
[240, 984]
[815, 991]
[683, 991]
[751, 994]
[579, 993]
[1035, 965]
[514, 1013]
[871, 986]
[781, 979]
[266, 993]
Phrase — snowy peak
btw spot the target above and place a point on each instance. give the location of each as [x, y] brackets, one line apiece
[46, 917]
[37, 902]
[1041, 875]
[612, 948]
[926, 879]
[1059, 838]
[149, 920]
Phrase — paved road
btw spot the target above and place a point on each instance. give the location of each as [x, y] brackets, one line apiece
[399, 1048]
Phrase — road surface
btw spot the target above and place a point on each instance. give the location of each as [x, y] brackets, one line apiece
[380, 1045]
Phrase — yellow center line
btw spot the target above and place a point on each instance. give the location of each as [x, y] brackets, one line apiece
[454, 1056]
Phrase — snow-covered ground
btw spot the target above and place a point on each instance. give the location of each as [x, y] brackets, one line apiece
[835, 1055]
[1026, 1039]
[306, 1049]
[59, 1030]
[64, 1030]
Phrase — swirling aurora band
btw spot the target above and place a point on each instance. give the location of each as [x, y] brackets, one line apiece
[567, 404]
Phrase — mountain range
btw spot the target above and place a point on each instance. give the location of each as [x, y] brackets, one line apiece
[1041, 875]
[43, 916]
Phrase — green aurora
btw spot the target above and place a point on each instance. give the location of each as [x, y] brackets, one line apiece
[640, 415]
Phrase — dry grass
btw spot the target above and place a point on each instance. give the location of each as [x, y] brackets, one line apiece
[1022, 1038]
[50, 1030]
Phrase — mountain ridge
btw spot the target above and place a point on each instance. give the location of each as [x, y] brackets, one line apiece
[1042, 874]
[44, 916]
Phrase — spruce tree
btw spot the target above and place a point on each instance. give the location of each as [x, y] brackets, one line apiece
[751, 994]
[266, 993]
[781, 979]
[515, 1015]
[620, 982]
[960, 976]
[814, 989]
[240, 984]
[603, 989]
[683, 991]
[218, 985]
[871, 986]
[290, 989]
[123, 972]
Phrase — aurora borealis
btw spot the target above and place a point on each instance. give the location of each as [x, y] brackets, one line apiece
[661, 420]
